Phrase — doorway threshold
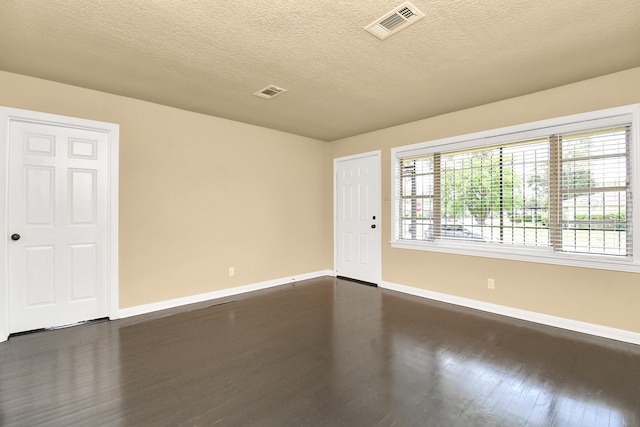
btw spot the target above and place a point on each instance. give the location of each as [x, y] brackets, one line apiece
[53, 328]
[362, 282]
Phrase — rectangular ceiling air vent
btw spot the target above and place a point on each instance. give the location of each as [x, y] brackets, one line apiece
[269, 92]
[394, 21]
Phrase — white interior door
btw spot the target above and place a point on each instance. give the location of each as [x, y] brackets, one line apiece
[57, 223]
[358, 217]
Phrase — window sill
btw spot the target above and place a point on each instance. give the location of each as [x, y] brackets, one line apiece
[535, 255]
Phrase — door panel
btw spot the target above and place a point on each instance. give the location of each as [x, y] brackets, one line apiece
[39, 274]
[84, 268]
[82, 196]
[358, 218]
[39, 191]
[57, 203]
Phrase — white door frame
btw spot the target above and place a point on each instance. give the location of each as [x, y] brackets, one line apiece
[113, 132]
[377, 257]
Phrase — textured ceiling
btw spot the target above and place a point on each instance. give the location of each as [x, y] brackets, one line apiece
[211, 56]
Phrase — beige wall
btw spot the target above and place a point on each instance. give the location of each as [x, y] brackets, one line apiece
[200, 194]
[601, 297]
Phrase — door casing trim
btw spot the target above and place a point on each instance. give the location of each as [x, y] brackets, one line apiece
[113, 131]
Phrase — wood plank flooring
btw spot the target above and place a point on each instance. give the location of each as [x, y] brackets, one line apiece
[322, 352]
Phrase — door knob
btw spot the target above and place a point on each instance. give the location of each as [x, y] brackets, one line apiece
[373, 226]
[15, 237]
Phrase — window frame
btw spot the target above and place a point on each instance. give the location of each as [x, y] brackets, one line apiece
[629, 114]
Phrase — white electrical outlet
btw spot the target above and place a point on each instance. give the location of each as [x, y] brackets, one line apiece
[232, 271]
[491, 284]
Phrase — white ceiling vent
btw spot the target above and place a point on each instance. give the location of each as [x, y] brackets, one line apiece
[270, 91]
[394, 21]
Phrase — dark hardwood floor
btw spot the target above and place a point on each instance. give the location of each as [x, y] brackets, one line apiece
[323, 352]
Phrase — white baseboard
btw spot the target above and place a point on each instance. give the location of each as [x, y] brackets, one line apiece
[545, 319]
[208, 296]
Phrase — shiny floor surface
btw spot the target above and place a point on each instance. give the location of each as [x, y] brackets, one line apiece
[323, 352]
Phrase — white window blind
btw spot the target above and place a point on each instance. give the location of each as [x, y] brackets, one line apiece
[567, 192]
[594, 193]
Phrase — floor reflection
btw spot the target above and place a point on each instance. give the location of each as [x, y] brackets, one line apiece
[73, 372]
[325, 352]
[492, 375]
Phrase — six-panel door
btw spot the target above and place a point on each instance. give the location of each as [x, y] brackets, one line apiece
[57, 217]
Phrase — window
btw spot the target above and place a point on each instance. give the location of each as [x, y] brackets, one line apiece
[557, 191]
